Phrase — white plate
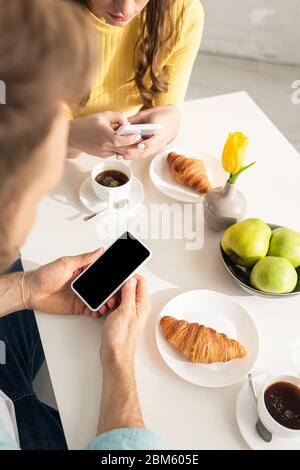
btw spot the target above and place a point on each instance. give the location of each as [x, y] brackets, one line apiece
[246, 416]
[160, 173]
[93, 204]
[217, 311]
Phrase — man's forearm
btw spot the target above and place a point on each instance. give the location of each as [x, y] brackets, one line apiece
[11, 298]
[120, 406]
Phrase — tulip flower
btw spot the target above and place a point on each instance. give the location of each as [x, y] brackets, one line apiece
[234, 154]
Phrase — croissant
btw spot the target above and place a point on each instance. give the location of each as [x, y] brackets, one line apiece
[190, 172]
[200, 344]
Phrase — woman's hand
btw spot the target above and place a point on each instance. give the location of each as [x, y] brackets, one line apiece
[170, 118]
[95, 134]
[48, 288]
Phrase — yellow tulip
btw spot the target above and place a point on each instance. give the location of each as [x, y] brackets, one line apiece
[234, 152]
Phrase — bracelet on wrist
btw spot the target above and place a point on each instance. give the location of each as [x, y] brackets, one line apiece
[24, 294]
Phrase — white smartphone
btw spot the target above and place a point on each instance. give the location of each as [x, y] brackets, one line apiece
[145, 130]
[102, 279]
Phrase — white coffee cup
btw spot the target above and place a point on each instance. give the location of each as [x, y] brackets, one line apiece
[111, 195]
[268, 421]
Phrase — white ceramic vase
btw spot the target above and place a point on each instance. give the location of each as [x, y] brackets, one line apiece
[223, 207]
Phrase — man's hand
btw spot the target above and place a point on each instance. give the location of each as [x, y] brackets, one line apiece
[48, 289]
[124, 325]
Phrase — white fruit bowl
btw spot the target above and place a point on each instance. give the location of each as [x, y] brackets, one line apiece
[241, 275]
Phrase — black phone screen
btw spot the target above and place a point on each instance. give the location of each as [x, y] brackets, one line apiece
[106, 275]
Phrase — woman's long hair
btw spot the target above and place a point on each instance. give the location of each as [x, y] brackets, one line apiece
[156, 33]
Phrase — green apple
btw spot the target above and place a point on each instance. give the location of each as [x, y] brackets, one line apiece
[286, 243]
[246, 242]
[274, 274]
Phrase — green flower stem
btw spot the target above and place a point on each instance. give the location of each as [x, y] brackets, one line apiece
[233, 178]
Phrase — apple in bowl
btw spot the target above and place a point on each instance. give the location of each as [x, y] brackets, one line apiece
[262, 258]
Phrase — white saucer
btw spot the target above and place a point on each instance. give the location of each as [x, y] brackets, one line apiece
[217, 311]
[246, 416]
[160, 174]
[93, 204]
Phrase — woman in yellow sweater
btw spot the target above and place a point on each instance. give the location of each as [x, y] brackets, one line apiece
[146, 51]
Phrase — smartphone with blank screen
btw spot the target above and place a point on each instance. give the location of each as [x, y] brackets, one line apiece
[102, 279]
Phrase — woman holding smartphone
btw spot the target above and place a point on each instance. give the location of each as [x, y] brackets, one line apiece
[145, 53]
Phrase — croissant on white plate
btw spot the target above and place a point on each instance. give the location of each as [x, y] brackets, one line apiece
[190, 172]
[200, 344]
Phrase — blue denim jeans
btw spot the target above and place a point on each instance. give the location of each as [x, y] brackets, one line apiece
[39, 425]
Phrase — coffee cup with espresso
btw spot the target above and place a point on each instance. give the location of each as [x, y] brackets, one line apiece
[278, 406]
[111, 182]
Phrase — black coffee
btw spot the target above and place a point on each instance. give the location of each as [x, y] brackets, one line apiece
[282, 400]
[112, 178]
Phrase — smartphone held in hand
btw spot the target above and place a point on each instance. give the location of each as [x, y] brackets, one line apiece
[105, 277]
[145, 130]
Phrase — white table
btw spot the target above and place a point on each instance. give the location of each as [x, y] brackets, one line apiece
[186, 416]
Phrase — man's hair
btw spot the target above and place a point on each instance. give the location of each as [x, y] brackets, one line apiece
[45, 59]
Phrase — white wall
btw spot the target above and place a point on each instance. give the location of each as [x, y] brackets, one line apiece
[266, 30]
